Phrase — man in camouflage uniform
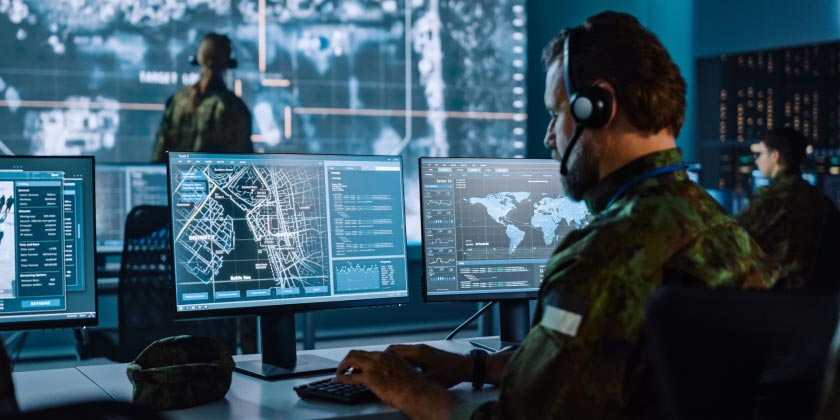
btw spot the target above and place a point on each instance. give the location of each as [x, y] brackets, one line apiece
[785, 217]
[206, 117]
[582, 358]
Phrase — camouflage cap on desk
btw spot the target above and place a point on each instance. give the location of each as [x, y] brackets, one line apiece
[182, 371]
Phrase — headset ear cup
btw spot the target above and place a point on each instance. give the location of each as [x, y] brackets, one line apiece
[232, 63]
[599, 109]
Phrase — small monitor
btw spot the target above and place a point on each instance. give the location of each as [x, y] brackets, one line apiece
[489, 227]
[723, 197]
[120, 188]
[759, 180]
[47, 243]
[810, 178]
[271, 234]
[694, 170]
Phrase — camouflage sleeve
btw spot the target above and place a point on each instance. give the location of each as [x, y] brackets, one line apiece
[561, 371]
[162, 140]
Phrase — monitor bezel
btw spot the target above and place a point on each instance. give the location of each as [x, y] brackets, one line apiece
[465, 297]
[70, 322]
[117, 249]
[280, 308]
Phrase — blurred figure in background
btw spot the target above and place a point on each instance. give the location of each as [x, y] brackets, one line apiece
[206, 117]
[786, 216]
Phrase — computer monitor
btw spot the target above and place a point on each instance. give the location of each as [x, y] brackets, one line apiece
[489, 227]
[723, 197]
[694, 170]
[120, 188]
[758, 180]
[46, 243]
[271, 234]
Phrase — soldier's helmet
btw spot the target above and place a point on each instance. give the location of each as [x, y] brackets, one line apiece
[181, 371]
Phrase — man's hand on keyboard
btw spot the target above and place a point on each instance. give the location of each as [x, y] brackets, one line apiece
[397, 383]
[442, 367]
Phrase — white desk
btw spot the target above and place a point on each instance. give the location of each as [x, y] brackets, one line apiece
[46, 388]
[248, 397]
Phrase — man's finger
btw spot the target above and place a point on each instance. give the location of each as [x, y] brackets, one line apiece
[352, 379]
[356, 359]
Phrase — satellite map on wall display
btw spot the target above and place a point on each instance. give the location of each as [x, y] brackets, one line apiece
[408, 77]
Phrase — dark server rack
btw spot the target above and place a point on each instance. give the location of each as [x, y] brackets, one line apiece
[742, 95]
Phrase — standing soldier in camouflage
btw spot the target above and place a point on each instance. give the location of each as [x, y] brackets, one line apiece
[652, 226]
[206, 117]
[785, 217]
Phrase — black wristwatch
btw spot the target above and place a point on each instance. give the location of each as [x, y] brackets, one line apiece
[478, 357]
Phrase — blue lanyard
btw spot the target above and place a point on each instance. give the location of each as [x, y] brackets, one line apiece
[649, 174]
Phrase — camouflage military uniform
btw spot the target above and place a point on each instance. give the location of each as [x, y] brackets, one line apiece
[220, 123]
[784, 218]
[664, 229]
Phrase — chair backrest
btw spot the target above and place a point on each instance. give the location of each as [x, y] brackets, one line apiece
[725, 353]
[145, 298]
[8, 400]
[825, 260]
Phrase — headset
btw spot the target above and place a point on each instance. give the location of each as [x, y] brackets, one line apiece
[232, 63]
[590, 106]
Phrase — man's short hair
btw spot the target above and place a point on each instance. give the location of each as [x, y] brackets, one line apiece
[790, 143]
[616, 48]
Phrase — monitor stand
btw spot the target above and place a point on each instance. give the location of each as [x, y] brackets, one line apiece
[279, 353]
[514, 324]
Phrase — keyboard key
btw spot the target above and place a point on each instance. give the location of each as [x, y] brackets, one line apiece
[326, 390]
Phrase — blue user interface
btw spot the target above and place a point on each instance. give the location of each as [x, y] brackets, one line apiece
[265, 230]
[490, 225]
[119, 189]
[46, 242]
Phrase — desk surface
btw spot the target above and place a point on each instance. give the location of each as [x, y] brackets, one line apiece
[45, 388]
[248, 397]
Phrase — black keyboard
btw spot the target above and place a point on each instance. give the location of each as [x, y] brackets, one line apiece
[325, 389]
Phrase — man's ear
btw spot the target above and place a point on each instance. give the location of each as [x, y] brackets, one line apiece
[775, 157]
[613, 103]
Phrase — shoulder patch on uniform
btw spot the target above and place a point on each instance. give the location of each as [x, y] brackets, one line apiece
[563, 312]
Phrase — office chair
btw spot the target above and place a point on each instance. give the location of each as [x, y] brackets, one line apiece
[145, 301]
[823, 276]
[8, 399]
[738, 354]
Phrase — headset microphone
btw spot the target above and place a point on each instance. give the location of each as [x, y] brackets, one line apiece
[231, 61]
[591, 106]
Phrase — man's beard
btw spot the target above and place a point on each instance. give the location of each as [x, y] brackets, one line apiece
[583, 170]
